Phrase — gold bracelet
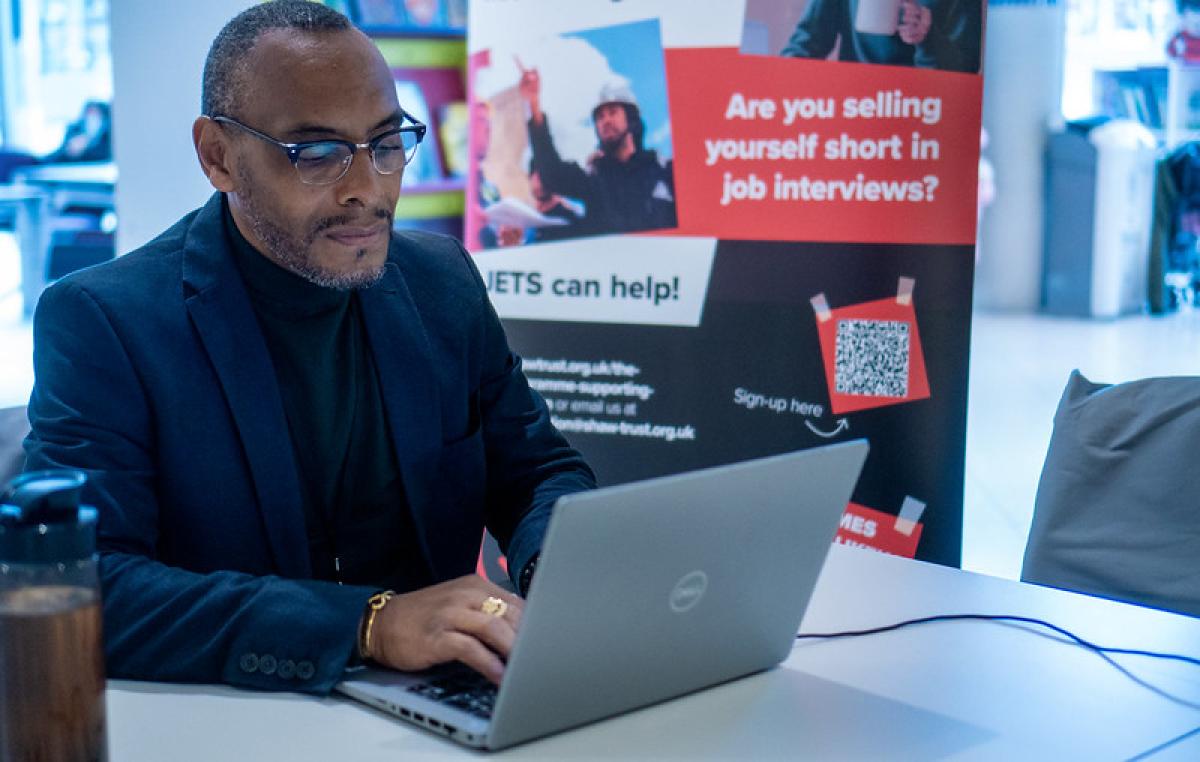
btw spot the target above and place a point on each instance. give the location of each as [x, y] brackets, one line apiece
[375, 604]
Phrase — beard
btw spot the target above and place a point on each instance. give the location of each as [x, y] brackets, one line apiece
[294, 252]
[612, 143]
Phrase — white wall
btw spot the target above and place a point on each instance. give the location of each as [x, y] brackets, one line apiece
[1022, 93]
[158, 51]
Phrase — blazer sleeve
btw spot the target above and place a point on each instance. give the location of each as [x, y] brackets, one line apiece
[529, 463]
[89, 411]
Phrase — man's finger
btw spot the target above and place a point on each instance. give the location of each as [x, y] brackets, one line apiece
[495, 632]
[457, 646]
[516, 606]
[489, 589]
[520, 66]
[516, 610]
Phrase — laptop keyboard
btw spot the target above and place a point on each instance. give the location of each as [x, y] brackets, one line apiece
[461, 688]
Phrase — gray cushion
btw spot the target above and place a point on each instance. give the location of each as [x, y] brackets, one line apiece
[14, 425]
[1118, 504]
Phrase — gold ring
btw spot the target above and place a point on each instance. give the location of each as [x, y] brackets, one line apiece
[494, 606]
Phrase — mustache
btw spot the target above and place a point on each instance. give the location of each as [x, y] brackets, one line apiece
[325, 223]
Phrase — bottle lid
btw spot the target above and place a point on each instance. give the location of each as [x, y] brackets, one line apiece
[41, 520]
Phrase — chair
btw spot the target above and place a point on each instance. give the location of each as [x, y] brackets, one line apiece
[14, 425]
[1118, 506]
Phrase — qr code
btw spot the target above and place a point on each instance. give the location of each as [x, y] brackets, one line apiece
[871, 358]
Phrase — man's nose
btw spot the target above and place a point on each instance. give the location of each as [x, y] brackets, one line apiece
[361, 182]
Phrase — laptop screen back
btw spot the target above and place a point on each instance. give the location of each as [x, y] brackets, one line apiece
[651, 590]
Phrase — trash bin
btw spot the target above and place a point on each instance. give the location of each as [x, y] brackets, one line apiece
[1100, 197]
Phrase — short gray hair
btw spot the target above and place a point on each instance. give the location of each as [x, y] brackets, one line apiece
[225, 67]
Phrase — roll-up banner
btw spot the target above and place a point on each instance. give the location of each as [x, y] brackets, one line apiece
[719, 230]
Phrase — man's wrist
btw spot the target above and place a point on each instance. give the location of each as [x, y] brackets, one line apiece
[525, 578]
[366, 625]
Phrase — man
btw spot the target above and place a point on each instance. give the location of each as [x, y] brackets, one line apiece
[934, 34]
[485, 193]
[625, 187]
[88, 138]
[549, 205]
[285, 408]
[482, 233]
[555, 207]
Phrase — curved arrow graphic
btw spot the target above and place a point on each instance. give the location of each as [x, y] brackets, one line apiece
[842, 425]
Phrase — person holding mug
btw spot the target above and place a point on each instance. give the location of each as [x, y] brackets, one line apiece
[936, 34]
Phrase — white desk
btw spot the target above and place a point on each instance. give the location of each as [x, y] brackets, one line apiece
[973, 690]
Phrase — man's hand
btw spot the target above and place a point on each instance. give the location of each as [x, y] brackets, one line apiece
[445, 623]
[549, 202]
[529, 87]
[915, 20]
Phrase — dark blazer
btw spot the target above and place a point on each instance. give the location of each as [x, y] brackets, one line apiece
[153, 376]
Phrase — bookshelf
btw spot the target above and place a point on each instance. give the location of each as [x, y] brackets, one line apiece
[424, 44]
[1139, 94]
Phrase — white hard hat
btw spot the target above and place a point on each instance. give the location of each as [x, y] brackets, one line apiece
[616, 92]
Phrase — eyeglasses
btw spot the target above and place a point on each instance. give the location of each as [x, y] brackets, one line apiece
[322, 162]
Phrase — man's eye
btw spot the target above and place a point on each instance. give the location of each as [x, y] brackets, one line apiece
[390, 143]
[322, 152]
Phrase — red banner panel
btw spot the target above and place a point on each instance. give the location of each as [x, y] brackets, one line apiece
[848, 155]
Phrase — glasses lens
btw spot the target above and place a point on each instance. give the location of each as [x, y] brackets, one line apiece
[412, 139]
[393, 151]
[322, 163]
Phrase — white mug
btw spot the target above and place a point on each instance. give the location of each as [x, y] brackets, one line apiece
[877, 16]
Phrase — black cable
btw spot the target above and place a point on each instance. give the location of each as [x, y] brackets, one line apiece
[1003, 618]
[1164, 746]
[1102, 651]
[1148, 686]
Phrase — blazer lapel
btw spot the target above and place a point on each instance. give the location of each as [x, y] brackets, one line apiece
[221, 311]
[403, 358]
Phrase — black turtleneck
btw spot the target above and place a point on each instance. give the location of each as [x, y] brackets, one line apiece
[360, 528]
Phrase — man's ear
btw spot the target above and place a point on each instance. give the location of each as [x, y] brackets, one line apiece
[212, 149]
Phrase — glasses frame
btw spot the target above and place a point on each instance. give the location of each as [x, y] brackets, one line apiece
[293, 149]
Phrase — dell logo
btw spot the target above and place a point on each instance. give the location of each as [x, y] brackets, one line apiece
[688, 591]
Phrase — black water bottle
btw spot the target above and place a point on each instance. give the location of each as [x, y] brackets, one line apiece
[51, 650]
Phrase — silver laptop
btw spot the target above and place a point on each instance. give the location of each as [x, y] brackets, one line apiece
[645, 592]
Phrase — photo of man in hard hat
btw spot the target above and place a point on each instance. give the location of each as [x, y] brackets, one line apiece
[578, 141]
[625, 187]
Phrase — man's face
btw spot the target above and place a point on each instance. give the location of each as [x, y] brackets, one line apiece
[303, 87]
[612, 125]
